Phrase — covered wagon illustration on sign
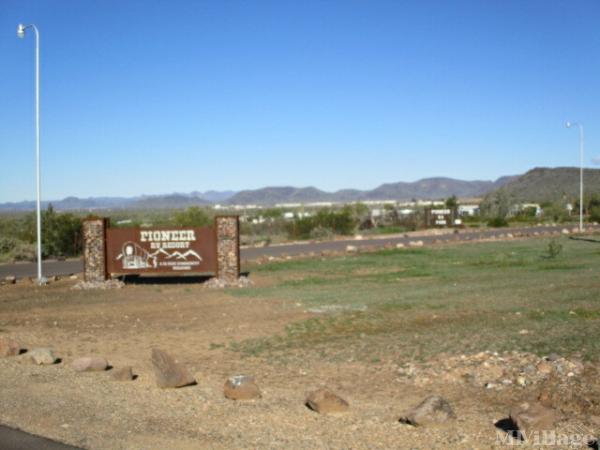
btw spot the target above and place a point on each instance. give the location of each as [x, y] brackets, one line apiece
[133, 256]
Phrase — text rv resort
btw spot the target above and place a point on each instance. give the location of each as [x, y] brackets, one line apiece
[160, 249]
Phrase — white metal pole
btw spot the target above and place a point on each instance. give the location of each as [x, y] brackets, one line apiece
[580, 177]
[37, 153]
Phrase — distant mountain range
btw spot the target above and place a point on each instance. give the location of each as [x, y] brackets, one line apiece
[425, 189]
[429, 188]
[537, 185]
[544, 184]
[166, 201]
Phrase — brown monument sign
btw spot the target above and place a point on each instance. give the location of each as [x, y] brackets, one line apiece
[161, 251]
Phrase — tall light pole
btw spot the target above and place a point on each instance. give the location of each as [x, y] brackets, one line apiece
[21, 34]
[569, 125]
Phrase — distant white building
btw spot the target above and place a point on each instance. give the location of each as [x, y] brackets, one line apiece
[524, 206]
[468, 210]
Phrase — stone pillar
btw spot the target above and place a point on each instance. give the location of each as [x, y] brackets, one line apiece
[94, 249]
[228, 247]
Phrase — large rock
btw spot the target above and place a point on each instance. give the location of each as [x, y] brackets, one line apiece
[241, 387]
[9, 347]
[433, 410]
[90, 364]
[169, 373]
[326, 402]
[43, 356]
[533, 416]
[123, 374]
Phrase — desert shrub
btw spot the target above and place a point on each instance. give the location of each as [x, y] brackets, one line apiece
[553, 249]
[23, 251]
[7, 244]
[301, 228]
[555, 212]
[321, 233]
[497, 222]
[594, 214]
[337, 222]
[496, 205]
[193, 216]
[451, 202]
[61, 234]
[527, 215]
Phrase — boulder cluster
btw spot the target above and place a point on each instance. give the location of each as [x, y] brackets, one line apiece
[496, 371]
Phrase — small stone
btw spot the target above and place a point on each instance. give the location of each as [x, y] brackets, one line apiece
[351, 249]
[545, 368]
[434, 409]
[169, 373]
[399, 245]
[521, 381]
[123, 374]
[415, 243]
[324, 401]
[90, 364]
[73, 277]
[42, 356]
[9, 347]
[241, 387]
[530, 417]
[565, 231]
[10, 279]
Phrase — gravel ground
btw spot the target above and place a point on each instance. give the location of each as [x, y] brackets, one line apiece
[90, 410]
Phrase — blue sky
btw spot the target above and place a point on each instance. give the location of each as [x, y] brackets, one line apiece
[148, 97]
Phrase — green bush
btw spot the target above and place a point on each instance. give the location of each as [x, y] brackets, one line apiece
[554, 249]
[61, 234]
[23, 251]
[192, 217]
[320, 233]
[555, 212]
[594, 214]
[7, 244]
[497, 222]
[336, 222]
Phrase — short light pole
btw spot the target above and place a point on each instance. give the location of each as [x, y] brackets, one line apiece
[21, 34]
[569, 125]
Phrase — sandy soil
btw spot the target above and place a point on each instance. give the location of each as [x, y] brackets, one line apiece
[196, 325]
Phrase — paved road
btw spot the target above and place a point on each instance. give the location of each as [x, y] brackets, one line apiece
[11, 439]
[51, 268]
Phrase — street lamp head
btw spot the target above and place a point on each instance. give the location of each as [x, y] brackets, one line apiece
[21, 31]
[568, 124]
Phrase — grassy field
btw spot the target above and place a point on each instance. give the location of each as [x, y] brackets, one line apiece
[418, 303]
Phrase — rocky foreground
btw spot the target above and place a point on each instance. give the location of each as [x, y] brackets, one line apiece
[485, 400]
